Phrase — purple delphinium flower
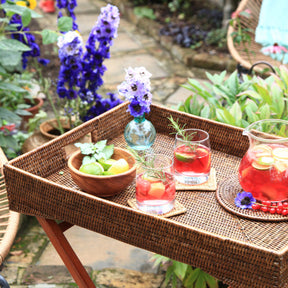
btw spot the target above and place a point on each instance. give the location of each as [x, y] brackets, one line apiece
[28, 39]
[136, 89]
[81, 73]
[244, 200]
[70, 52]
[97, 50]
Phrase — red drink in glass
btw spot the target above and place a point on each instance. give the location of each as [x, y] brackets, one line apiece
[191, 161]
[263, 171]
[192, 157]
[155, 192]
[155, 185]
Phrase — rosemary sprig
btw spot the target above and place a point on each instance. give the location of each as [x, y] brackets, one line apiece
[148, 166]
[181, 132]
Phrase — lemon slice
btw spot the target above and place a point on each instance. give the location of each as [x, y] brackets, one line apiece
[118, 167]
[93, 168]
[281, 153]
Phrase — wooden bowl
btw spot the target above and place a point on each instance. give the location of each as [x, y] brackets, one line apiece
[103, 186]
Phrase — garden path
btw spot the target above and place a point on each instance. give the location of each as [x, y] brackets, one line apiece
[34, 261]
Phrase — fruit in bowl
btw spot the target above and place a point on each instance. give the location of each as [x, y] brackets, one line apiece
[104, 172]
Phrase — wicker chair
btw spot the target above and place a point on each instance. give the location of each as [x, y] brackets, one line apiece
[237, 51]
[9, 220]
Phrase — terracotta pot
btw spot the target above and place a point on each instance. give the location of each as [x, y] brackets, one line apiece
[34, 109]
[38, 103]
[49, 130]
[43, 136]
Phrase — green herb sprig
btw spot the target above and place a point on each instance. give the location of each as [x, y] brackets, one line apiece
[95, 151]
[148, 166]
[181, 131]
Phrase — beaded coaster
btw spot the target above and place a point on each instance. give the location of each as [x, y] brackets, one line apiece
[210, 185]
[178, 209]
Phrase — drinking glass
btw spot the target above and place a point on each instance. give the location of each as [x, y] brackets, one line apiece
[192, 157]
[155, 184]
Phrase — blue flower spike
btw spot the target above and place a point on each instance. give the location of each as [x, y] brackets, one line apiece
[82, 68]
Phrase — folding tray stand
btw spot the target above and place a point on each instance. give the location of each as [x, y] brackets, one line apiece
[240, 249]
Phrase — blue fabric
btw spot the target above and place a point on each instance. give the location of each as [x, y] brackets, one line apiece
[273, 26]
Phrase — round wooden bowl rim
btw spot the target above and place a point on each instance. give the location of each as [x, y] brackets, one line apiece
[76, 171]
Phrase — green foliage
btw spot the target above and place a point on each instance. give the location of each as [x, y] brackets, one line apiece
[12, 49]
[182, 7]
[217, 37]
[34, 122]
[144, 12]
[95, 151]
[12, 144]
[8, 116]
[15, 92]
[15, 84]
[189, 276]
[226, 99]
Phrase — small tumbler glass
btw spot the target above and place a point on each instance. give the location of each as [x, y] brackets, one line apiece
[155, 184]
[192, 157]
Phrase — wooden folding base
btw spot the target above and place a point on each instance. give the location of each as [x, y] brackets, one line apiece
[55, 233]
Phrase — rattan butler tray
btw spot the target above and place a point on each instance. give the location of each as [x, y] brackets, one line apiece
[241, 251]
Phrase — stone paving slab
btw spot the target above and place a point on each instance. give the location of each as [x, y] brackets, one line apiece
[124, 42]
[100, 252]
[116, 67]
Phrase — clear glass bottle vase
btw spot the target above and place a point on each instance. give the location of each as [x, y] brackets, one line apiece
[140, 133]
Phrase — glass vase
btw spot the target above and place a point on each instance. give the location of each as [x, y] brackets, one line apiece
[140, 133]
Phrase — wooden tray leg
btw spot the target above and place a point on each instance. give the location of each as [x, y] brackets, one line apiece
[67, 254]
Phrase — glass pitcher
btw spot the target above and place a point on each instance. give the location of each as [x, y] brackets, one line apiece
[263, 171]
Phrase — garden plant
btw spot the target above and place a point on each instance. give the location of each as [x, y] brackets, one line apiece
[18, 45]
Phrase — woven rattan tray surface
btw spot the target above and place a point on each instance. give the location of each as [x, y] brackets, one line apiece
[240, 251]
[226, 193]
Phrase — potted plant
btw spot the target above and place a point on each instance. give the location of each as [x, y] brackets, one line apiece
[19, 94]
[17, 45]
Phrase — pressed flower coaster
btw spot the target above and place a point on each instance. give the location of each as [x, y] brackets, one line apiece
[210, 185]
[226, 194]
[177, 210]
